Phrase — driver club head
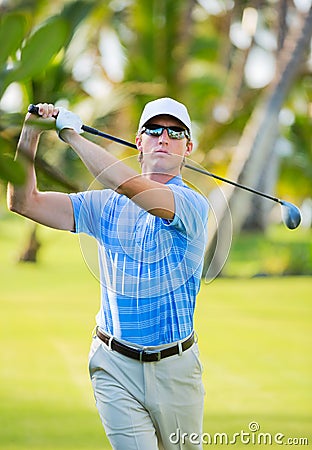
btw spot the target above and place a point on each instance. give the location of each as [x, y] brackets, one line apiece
[290, 214]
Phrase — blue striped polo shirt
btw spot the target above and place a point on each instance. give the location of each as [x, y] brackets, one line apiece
[150, 268]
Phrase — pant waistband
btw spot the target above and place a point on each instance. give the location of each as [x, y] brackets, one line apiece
[144, 355]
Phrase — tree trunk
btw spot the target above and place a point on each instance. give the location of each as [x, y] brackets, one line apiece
[257, 220]
[31, 251]
[256, 146]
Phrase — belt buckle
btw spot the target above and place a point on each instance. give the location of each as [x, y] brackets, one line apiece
[144, 352]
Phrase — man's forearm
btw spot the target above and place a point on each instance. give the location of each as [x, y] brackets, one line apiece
[106, 168]
[26, 151]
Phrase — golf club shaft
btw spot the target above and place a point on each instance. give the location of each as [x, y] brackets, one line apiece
[35, 110]
[233, 183]
[96, 132]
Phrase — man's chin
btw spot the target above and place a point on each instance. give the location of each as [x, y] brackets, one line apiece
[161, 161]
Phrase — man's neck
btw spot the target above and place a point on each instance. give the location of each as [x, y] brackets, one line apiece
[162, 178]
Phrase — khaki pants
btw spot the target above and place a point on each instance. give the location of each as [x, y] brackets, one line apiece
[150, 405]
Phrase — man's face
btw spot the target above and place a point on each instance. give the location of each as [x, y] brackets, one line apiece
[162, 154]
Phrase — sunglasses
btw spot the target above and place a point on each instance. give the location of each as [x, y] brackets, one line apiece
[156, 130]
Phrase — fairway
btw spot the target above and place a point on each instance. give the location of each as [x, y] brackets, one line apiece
[254, 338]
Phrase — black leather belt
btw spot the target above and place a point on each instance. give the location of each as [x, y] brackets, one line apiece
[144, 355]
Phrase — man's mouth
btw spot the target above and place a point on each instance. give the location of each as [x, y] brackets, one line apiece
[161, 150]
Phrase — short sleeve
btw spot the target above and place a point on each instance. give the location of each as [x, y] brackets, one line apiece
[88, 207]
[191, 211]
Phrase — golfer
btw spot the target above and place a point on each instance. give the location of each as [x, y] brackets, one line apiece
[151, 235]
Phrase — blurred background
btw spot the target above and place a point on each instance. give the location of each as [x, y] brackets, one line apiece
[244, 70]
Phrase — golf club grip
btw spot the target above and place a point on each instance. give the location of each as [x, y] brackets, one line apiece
[33, 109]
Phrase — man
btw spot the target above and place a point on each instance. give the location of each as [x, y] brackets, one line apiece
[151, 233]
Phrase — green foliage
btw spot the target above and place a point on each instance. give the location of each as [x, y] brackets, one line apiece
[41, 47]
[74, 13]
[12, 32]
[37, 52]
[29, 58]
[10, 170]
[296, 165]
[206, 48]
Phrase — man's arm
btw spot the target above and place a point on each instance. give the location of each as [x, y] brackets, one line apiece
[150, 195]
[53, 209]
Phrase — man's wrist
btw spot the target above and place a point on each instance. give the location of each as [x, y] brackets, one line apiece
[30, 131]
[28, 142]
[66, 134]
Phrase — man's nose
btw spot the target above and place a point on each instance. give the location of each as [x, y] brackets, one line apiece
[164, 137]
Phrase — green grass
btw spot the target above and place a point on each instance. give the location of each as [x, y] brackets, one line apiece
[254, 337]
[277, 252]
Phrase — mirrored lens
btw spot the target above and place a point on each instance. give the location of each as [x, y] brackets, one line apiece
[173, 132]
[176, 132]
[154, 131]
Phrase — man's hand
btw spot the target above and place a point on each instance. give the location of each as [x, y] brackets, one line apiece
[68, 120]
[45, 120]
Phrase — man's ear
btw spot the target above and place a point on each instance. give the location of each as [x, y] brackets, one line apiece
[189, 148]
[138, 142]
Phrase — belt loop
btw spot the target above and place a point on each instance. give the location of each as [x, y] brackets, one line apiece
[180, 348]
[110, 340]
[195, 337]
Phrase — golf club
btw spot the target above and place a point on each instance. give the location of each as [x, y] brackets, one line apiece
[291, 215]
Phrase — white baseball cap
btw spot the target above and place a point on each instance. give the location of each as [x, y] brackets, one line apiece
[166, 106]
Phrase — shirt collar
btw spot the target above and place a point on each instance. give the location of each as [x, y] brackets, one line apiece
[176, 180]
